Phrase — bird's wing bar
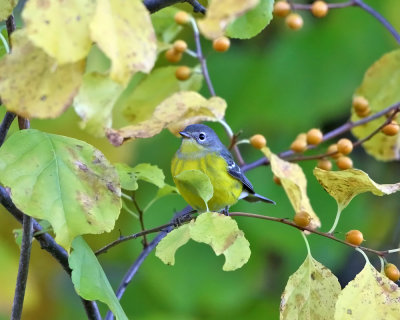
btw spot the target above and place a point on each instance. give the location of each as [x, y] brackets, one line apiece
[234, 171]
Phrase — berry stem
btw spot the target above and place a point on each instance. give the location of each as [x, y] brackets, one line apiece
[382, 264]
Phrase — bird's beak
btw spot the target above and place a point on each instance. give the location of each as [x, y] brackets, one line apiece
[184, 134]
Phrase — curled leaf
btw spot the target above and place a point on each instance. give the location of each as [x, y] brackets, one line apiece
[294, 183]
[310, 293]
[370, 295]
[60, 28]
[222, 12]
[143, 171]
[380, 87]
[218, 231]
[175, 112]
[123, 31]
[344, 185]
[32, 84]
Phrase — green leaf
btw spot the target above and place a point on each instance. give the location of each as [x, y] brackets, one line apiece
[196, 183]
[371, 295]
[95, 101]
[164, 24]
[18, 236]
[62, 180]
[60, 28]
[143, 171]
[32, 84]
[6, 8]
[175, 112]
[123, 31]
[294, 182]
[380, 87]
[252, 22]
[139, 103]
[167, 247]
[218, 231]
[166, 191]
[310, 293]
[89, 279]
[222, 12]
[344, 185]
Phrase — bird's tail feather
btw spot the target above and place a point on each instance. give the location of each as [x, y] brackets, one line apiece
[255, 197]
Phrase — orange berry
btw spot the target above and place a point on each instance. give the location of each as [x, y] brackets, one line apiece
[180, 46]
[324, 164]
[363, 114]
[360, 104]
[392, 272]
[281, 8]
[319, 9]
[277, 180]
[258, 141]
[299, 145]
[391, 129]
[333, 148]
[182, 17]
[344, 163]
[314, 136]
[345, 146]
[172, 55]
[183, 73]
[354, 237]
[294, 21]
[221, 44]
[302, 219]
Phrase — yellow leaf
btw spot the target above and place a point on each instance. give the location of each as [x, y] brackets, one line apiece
[346, 184]
[175, 112]
[60, 28]
[370, 296]
[123, 31]
[310, 293]
[294, 183]
[380, 87]
[33, 85]
[221, 13]
[6, 8]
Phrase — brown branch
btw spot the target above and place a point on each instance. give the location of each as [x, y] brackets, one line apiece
[140, 212]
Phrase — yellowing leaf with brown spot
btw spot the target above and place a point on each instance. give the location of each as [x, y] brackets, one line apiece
[123, 31]
[310, 293]
[344, 185]
[6, 8]
[370, 296]
[175, 112]
[60, 28]
[220, 13]
[294, 183]
[380, 87]
[33, 85]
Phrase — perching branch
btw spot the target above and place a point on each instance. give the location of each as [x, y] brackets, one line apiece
[5, 125]
[155, 5]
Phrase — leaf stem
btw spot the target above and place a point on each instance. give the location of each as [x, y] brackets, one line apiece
[23, 268]
[335, 223]
[363, 253]
[382, 264]
[5, 43]
[306, 241]
[394, 250]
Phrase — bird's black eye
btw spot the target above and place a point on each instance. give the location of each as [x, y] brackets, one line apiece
[202, 136]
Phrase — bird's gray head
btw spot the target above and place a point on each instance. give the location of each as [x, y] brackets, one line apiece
[203, 135]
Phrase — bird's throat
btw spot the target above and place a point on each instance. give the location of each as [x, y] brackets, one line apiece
[190, 149]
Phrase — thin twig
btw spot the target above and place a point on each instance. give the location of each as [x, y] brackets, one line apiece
[155, 5]
[47, 243]
[300, 6]
[201, 58]
[140, 211]
[23, 268]
[5, 126]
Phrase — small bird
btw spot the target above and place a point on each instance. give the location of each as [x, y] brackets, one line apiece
[202, 150]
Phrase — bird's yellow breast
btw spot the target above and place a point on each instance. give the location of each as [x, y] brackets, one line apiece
[227, 189]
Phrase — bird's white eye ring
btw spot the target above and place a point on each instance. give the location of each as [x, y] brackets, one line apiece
[202, 136]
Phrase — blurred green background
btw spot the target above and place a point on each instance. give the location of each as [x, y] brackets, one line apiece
[279, 83]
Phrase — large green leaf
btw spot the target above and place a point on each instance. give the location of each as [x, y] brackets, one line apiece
[380, 87]
[62, 180]
[89, 279]
[310, 293]
[252, 22]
